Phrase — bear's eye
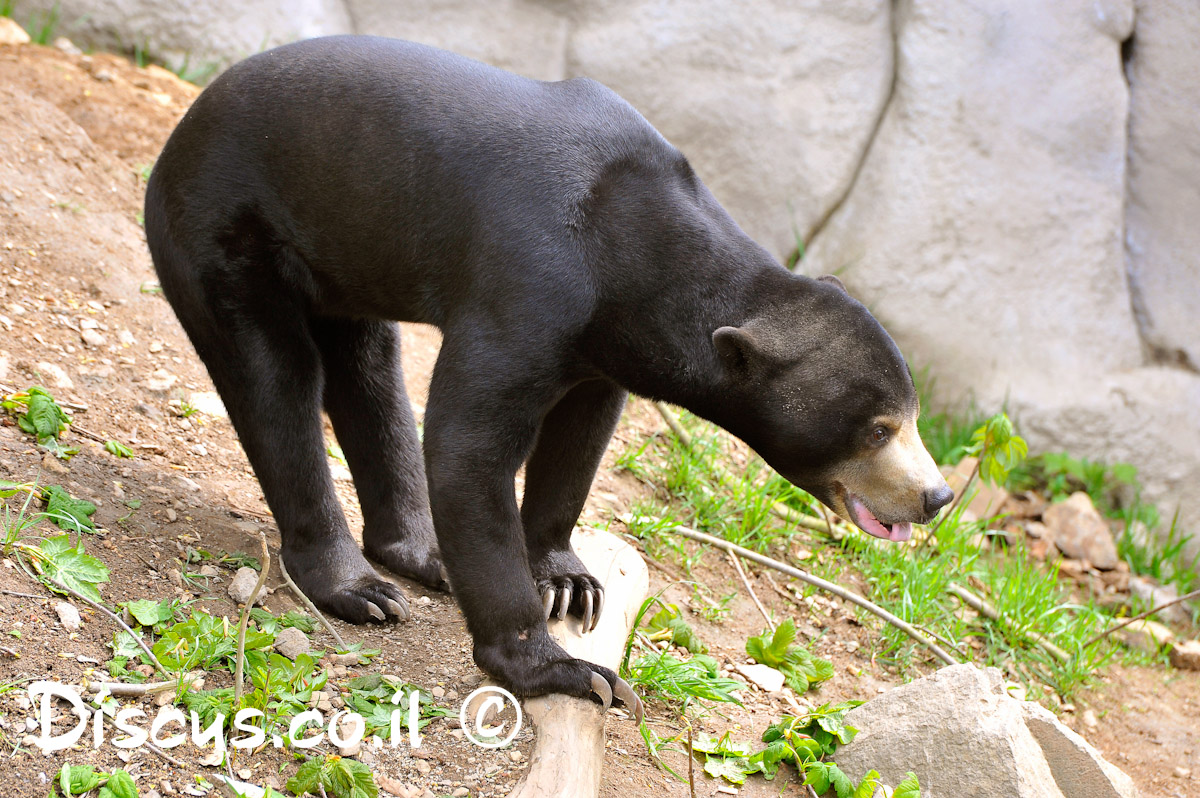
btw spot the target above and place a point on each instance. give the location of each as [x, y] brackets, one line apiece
[879, 435]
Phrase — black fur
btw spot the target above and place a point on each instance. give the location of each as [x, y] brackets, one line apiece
[320, 191]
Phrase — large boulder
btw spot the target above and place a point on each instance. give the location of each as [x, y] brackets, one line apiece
[964, 736]
[1162, 225]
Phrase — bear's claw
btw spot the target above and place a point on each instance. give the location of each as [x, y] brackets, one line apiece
[602, 691]
[590, 599]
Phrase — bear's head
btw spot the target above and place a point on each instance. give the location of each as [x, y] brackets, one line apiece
[820, 390]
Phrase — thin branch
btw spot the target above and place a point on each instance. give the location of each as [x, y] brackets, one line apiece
[672, 420]
[1146, 614]
[88, 434]
[988, 611]
[24, 595]
[817, 581]
[691, 763]
[245, 620]
[310, 606]
[153, 659]
[12, 652]
[738, 567]
[126, 690]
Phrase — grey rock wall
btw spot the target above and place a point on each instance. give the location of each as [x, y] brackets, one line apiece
[773, 106]
[1019, 206]
[204, 37]
[1162, 223]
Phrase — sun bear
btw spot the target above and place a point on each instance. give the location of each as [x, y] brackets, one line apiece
[319, 192]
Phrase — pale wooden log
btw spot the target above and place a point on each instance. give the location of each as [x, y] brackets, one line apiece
[568, 753]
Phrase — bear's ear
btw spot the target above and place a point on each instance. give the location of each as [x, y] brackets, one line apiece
[832, 280]
[737, 348]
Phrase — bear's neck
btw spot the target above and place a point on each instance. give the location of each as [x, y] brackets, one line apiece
[662, 349]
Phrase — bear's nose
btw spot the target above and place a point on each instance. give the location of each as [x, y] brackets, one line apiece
[937, 498]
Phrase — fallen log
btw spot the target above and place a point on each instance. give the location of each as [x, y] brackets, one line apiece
[568, 753]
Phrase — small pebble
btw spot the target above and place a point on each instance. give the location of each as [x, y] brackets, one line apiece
[68, 616]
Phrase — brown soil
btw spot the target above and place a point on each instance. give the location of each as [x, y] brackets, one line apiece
[75, 132]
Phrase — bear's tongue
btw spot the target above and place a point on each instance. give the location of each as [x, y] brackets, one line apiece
[867, 522]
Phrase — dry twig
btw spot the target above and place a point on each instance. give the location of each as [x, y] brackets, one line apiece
[817, 581]
[1146, 614]
[988, 611]
[738, 567]
[310, 606]
[126, 690]
[245, 620]
[153, 659]
[24, 595]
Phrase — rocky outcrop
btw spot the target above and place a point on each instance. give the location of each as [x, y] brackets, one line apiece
[964, 736]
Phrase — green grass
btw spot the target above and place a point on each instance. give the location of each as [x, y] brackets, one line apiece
[43, 28]
[702, 487]
[946, 433]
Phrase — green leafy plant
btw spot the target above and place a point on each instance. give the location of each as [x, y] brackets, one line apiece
[667, 677]
[235, 560]
[67, 512]
[15, 524]
[335, 776]
[117, 449]
[806, 742]
[800, 668]
[376, 696]
[74, 780]
[39, 415]
[271, 624]
[668, 624]
[336, 454]
[204, 641]
[998, 448]
[57, 559]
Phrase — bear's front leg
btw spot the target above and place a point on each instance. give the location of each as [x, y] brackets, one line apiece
[479, 428]
[558, 475]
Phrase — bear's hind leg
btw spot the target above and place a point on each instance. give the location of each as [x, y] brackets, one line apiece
[367, 403]
[558, 476]
[260, 352]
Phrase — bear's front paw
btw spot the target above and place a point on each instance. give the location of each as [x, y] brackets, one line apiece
[533, 664]
[566, 587]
